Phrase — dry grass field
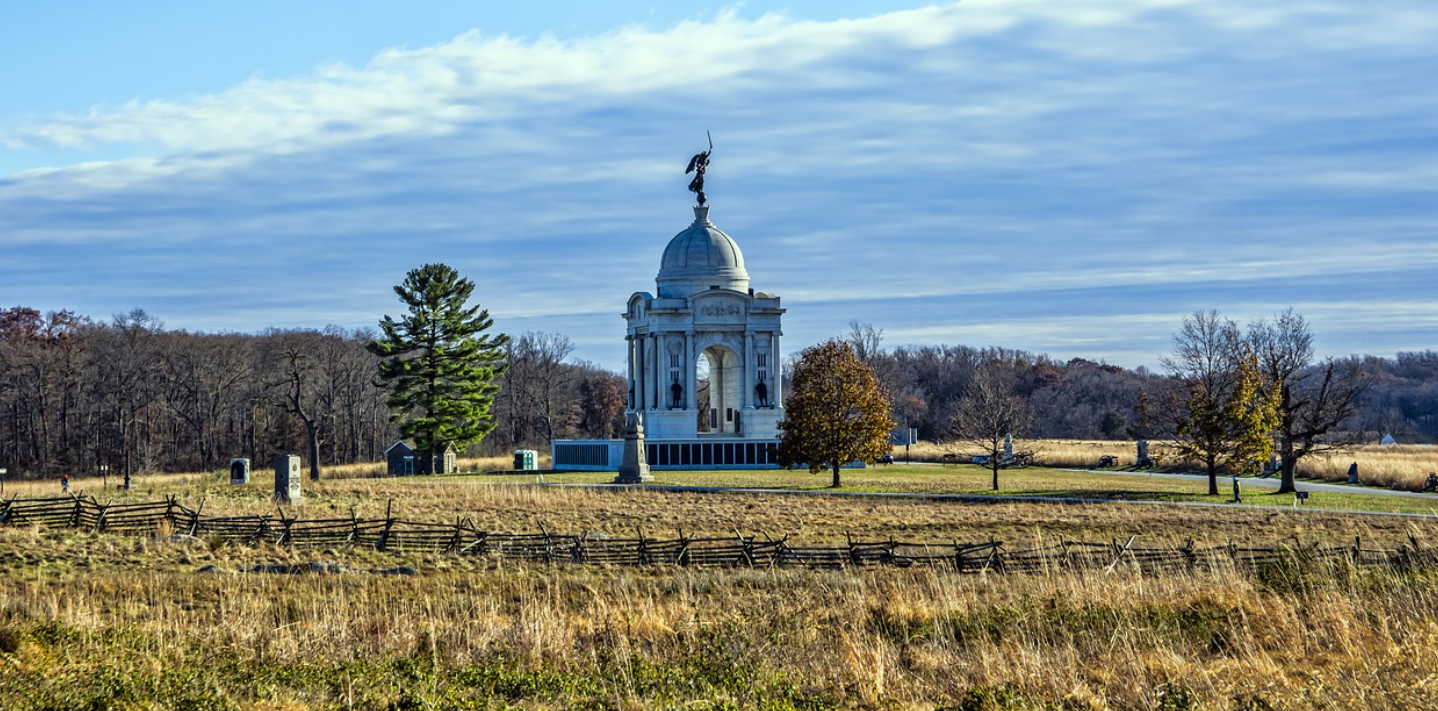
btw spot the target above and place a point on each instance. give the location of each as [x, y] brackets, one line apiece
[97, 621]
[1400, 466]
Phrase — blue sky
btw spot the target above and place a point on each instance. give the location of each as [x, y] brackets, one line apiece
[1067, 177]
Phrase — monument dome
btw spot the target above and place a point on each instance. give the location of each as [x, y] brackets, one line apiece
[701, 257]
[706, 386]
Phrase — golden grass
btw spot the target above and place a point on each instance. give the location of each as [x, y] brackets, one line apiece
[670, 638]
[96, 621]
[515, 504]
[1401, 466]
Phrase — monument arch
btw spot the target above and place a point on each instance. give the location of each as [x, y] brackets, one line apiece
[703, 311]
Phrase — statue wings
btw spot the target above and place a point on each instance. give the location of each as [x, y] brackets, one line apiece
[700, 159]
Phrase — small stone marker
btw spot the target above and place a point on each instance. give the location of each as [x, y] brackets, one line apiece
[1353, 473]
[634, 469]
[287, 479]
[239, 471]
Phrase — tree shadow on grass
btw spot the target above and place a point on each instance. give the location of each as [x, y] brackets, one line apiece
[1111, 495]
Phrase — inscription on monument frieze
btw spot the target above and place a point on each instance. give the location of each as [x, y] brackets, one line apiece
[721, 310]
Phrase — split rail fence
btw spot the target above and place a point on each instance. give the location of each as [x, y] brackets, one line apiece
[739, 550]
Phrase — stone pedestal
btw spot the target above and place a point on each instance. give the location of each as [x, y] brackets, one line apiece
[1353, 473]
[1142, 459]
[634, 469]
[239, 471]
[287, 479]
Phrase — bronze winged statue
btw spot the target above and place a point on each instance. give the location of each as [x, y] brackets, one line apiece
[697, 164]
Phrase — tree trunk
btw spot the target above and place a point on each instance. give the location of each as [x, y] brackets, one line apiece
[1289, 466]
[1212, 478]
[995, 468]
[835, 483]
[312, 437]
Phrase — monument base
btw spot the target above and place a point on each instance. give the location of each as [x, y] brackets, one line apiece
[634, 469]
[639, 476]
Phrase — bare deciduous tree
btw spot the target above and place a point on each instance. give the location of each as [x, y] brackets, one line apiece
[991, 414]
[1314, 402]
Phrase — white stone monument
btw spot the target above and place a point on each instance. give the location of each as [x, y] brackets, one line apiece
[239, 471]
[705, 311]
[705, 365]
[287, 479]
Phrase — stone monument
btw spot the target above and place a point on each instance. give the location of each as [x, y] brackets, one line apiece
[287, 479]
[705, 318]
[1008, 450]
[705, 360]
[1353, 473]
[634, 469]
[239, 471]
[1143, 460]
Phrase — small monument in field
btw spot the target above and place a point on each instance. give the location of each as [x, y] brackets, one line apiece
[239, 471]
[287, 479]
[634, 469]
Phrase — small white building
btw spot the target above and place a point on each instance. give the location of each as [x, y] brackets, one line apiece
[704, 362]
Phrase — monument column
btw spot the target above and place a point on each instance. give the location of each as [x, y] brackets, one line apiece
[642, 387]
[749, 361]
[655, 374]
[690, 358]
[776, 374]
[629, 351]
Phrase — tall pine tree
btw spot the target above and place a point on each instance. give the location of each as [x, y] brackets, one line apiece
[439, 364]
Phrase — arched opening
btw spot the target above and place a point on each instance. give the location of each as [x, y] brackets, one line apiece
[717, 380]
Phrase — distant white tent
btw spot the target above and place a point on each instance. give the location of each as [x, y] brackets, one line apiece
[1388, 439]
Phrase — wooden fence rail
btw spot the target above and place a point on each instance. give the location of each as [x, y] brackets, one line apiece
[462, 537]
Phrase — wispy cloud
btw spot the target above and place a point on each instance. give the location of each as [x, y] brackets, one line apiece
[1017, 170]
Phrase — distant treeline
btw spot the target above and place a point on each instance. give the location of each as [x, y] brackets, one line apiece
[77, 393]
[1081, 399]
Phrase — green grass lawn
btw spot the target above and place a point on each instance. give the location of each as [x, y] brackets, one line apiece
[1017, 483]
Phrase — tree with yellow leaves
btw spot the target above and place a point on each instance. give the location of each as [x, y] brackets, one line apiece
[1229, 414]
[836, 412]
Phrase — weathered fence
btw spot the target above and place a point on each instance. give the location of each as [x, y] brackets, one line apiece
[463, 538]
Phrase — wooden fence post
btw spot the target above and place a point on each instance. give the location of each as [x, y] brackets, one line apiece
[1119, 555]
[286, 535]
[388, 526]
[99, 520]
[195, 517]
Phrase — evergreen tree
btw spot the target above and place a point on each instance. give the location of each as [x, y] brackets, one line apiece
[836, 412]
[439, 364]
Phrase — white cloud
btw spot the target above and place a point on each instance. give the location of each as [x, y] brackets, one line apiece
[1039, 154]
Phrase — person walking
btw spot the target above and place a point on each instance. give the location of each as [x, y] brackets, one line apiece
[65, 483]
